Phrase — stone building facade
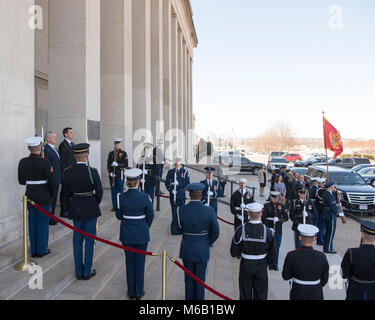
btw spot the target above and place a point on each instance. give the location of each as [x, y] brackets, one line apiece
[104, 67]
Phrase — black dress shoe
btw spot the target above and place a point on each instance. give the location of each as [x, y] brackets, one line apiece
[43, 255]
[34, 255]
[330, 252]
[80, 278]
[64, 214]
[113, 210]
[131, 297]
[140, 297]
[276, 268]
[271, 268]
[92, 275]
[320, 244]
[52, 223]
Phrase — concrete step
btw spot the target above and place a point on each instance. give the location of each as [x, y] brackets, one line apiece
[12, 281]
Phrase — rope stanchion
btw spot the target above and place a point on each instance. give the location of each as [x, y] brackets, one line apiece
[195, 278]
[227, 222]
[145, 253]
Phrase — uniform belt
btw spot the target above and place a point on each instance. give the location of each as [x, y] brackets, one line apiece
[363, 281]
[84, 194]
[251, 257]
[34, 183]
[306, 283]
[270, 219]
[134, 217]
[196, 234]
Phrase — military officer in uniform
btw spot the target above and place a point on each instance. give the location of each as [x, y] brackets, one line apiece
[330, 213]
[117, 162]
[136, 215]
[212, 189]
[312, 196]
[306, 268]
[255, 244]
[302, 211]
[150, 171]
[238, 202]
[358, 266]
[84, 191]
[319, 203]
[199, 228]
[36, 174]
[176, 181]
[274, 215]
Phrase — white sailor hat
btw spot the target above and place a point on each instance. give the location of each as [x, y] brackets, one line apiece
[255, 207]
[117, 140]
[242, 180]
[308, 230]
[34, 141]
[177, 158]
[133, 174]
[274, 193]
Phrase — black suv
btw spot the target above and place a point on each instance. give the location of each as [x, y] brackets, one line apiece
[355, 194]
[347, 163]
[246, 166]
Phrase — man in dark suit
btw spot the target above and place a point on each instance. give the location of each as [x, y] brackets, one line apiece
[159, 158]
[67, 160]
[51, 153]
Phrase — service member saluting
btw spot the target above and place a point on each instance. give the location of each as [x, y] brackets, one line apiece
[37, 174]
[176, 181]
[358, 266]
[200, 229]
[306, 268]
[238, 202]
[302, 211]
[117, 162]
[212, 189]
[255, 244]
[136, 215]
[84, 191]
[274, 215]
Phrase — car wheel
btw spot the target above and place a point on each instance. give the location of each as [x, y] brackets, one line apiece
[255, 171]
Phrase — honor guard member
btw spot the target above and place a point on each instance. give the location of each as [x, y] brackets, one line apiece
[117, 162]
[150, 171]
[255, 244]
[238, 202]
[136, 215]
[199, 228]
[212, 189]
[319, 203]
[302, 211]
[358, 266]
[84, 191]
[306, 268]
[36, 174]
[330, 213]
[176, 181]
[274, 215]
[312, 196]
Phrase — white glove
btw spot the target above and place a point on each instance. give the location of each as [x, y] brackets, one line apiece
[207, 205]
[174, 192]
[243, 206]
[276, 219]
[114, 164]
[145, 172]
[273, 230]
[305, 214]
[112, 175]
[210, 193]
[143, 181]
[175, 183]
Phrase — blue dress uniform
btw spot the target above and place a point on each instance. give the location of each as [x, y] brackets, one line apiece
[319, 203]
[151, 173]
[270, 212]
[183, 180]
[84, 191]
[212, 186]
[358, 266]
[37, 174]
[307, 269]
[136, 215]
[200, 229]
[116, 173]
[296, 215]
[255, 244]
[330, 213]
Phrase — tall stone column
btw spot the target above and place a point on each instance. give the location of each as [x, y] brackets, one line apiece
[16, 108]
[157, 70]
[74, 71]
[116, 75]
[141, 41]
[174, 71]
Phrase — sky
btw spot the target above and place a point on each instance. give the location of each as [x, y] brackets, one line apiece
[260, 62]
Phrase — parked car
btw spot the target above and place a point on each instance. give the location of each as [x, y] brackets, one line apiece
[299, 170]
[309, 162]
[347, 163]
[355, 194]
[277, 163]
[246, 166]
[368, 174]
[276, 154]
[292, 157]
[359, 167]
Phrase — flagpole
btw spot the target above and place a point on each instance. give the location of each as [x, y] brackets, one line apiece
[325, 147]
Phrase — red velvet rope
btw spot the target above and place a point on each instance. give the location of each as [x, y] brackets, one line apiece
[225, 221]
[161, 196]
[145, 253]
[195, 278]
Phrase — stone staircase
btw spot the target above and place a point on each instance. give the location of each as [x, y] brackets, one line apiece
[59, 282]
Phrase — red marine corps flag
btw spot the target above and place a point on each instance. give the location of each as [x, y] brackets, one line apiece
[332, 138]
